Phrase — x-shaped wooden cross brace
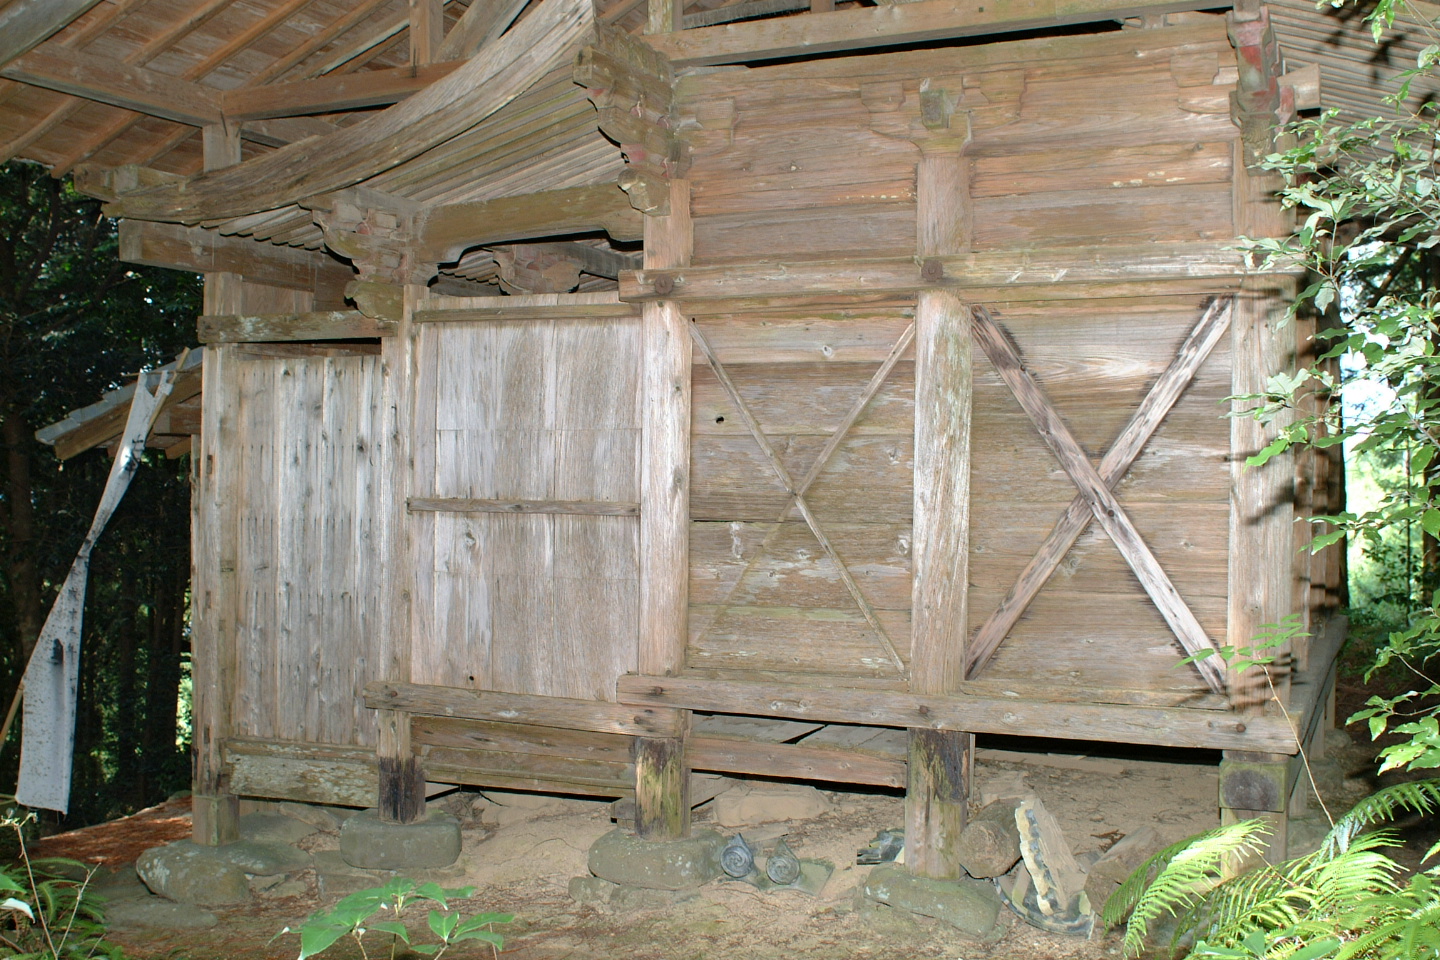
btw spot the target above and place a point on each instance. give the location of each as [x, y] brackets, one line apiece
[1095, 497]
[797, 491]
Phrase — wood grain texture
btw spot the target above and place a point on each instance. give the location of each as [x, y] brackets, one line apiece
[1118, 459]
[665, 484]
[865, 27]
[455, 104]
[1262, 555]
[435, 700]
[982, 269]
[273, 327]
[1102, 503]
[533, 587]
[937, 799]
[1114, 723]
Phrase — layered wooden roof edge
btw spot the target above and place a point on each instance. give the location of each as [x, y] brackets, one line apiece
[102, 422]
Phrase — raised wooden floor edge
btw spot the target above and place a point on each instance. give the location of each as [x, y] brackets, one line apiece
[1115, 723]
[436, 701]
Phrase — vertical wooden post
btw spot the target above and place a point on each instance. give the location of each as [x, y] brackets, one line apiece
[427, 30]
[402, 781]
[214, 535]
[1262, 556]
[661, 780]
[938, 784]
[215, 811]
[665, 16]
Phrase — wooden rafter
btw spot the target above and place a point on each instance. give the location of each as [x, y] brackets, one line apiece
[116, 83]
[144, 55]
[1208, 331]
[25, 24]
[1096, 493]
[481, 23]
[797, 490]
[216, 58]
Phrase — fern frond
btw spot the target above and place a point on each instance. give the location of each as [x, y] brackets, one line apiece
[1417, 796]
[1183, 873]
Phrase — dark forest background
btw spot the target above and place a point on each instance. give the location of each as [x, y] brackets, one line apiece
[74, 322]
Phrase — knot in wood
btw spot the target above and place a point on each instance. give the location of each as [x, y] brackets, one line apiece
[932, 271]
[664, 284]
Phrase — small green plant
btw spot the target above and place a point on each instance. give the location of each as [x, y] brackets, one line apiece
[1345, 901]
[354, 917]
[45, 913]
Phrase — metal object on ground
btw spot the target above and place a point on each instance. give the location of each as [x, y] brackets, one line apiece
[782, 866]
[738, 858]
[883, 849]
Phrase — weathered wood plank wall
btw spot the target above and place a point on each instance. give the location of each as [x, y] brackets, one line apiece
[300, 473]
[543, 415]
[1114, 138]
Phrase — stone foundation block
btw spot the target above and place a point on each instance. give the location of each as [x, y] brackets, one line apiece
[369, 842]
[657, 864]
[971, 906]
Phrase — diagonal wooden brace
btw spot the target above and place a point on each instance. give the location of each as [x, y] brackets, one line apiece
[1213, 323]
[1096, 493]
[797, 491]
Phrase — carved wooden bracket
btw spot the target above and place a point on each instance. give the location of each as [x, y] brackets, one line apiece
[633, 89]
[537, 268]
[378, 233]
[1260, 103]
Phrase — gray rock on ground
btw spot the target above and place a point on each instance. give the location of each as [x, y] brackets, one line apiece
[657, 864]
[591, 890]
[369, 842]
[970, 906]
[191, 874]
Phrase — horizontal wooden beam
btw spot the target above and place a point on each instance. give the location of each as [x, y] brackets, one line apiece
[116, 83]
[540, 306]
[861, 28]
[449, 230]
[1057, 267]
[1114, 723]
[436, 701]
[205, 251]
[577, 508]
[328, 94]
[278, 327]
[302, 772]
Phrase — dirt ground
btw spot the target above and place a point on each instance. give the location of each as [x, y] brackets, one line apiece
[521, 851]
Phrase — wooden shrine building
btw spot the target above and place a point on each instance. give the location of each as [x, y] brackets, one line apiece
[575, 378]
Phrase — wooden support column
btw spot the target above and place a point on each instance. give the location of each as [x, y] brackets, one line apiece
[661, 780]
[402, 781]
[665, 16]
[214, 531]
[427, 30]
[1262, 557]
[938, 782]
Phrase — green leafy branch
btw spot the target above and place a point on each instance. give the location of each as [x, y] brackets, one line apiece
[353, 917]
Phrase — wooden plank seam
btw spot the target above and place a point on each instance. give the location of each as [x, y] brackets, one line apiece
[797, 491]
[1097, 495]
